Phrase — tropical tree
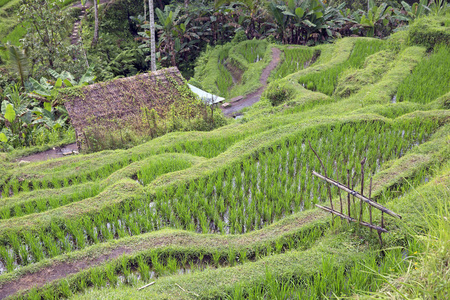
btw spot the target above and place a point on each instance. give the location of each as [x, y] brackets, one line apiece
[96, 25]
[46, 39]
[152, 36]
[250, 16]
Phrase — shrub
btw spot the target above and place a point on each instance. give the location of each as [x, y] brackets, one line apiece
[430, 31]
[278, 93]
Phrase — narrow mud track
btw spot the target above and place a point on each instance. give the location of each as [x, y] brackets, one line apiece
[254, 97]
[56, 152]
[55, 272]
[63, 269]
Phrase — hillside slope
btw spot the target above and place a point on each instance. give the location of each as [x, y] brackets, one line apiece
[231, 213]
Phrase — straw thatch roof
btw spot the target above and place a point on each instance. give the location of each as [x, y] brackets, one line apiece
[125, 102]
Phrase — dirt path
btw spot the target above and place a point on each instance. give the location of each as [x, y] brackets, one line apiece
[63, 269]
[56, 152]
[75, 37]
[55, 272]
[240, 102]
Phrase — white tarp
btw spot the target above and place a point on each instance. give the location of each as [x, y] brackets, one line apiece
[208, 98]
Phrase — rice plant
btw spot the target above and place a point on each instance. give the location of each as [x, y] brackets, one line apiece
[429, 79]
[156, 168]
[295, 59]
[253, 51]
[244, 197]
[326, 80]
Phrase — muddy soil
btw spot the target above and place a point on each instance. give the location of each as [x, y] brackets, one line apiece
[55, 272]
[254, 97]
[56, 152]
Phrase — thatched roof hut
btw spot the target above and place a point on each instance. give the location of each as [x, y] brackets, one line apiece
[125, 103]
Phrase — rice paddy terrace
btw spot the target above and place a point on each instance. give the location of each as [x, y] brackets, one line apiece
[231, 213]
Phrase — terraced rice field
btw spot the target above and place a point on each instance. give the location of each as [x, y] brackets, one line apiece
[230, 213]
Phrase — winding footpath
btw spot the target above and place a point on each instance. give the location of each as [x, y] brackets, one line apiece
[252, 98]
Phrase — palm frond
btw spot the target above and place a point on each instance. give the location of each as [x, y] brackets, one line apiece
[18, 62]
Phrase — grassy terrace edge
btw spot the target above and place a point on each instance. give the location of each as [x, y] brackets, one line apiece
[421, 157]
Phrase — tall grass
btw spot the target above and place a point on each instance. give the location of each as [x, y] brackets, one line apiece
[429, 79]
[428, 277]
[329, 282]
[326, 80]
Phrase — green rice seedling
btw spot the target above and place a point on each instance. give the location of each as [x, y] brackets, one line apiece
[29, 208]
[82, 284]
[98, 277]
[64, 289]
[23, 253]
[35, 246]
[216, 257]
[52, 247]
[5, 213]
[126, 270]
[25, 186]
[157, 267]
[224, 80]
[14, 241]
[41, 205]
[111, 274]
[33, 294]
[53, 202]
[429, 79]
[18, 212]
[201, 255]
[172, 265]
[15, 186]
[56, 183]
[7, 258]
[279, 246]
[243, 256]
[143, 268]
[231, 256]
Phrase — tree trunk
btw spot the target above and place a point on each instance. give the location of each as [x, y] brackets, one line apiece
[145, 10]
[95, 38]
[152, 36]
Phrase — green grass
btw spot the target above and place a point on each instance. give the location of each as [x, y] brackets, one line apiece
[327, 80]
[429, 79]
[235, 205]
[212, 206]
[3, 2]
[295, 59]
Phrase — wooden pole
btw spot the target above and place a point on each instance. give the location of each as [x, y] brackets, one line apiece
[357, 195]
[348, 195]
[324, 171]
[147, 285]
[362, 189]
[379, 229]
[370, 207]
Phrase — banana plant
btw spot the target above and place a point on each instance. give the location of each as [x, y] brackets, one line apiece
[439, 7]
[48, 90]
[18, 61]
[375, 15]
[416, 10]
